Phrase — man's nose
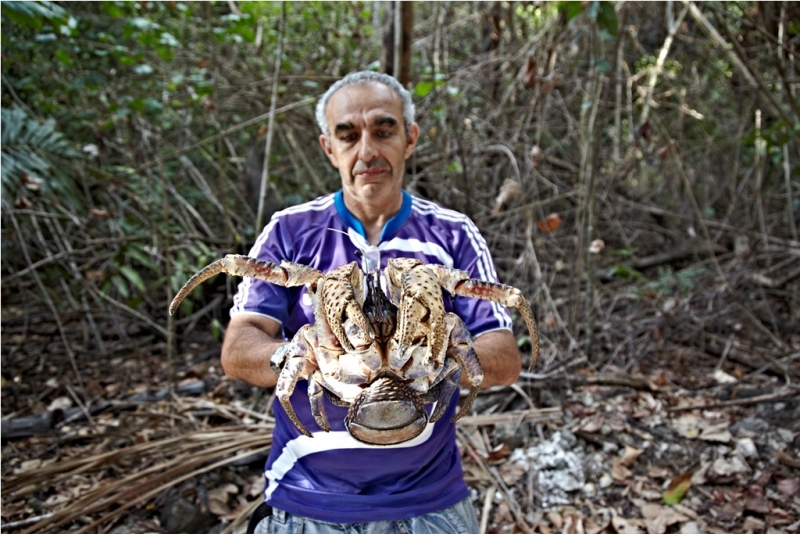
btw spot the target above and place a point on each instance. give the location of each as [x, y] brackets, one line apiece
[367, 150]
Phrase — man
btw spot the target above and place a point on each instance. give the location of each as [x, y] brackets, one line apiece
[331, 481]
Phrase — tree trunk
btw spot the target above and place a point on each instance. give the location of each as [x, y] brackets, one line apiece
[388, 54]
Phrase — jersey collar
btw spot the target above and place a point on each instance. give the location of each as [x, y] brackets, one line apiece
[389, 228]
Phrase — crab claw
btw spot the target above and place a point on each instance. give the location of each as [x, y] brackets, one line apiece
[458, 283]
[340, 299]
[286, 274]
[421, 309]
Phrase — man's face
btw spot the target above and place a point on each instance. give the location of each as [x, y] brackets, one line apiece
[368, 142]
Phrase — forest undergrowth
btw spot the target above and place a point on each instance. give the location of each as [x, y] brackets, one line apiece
[633, 168]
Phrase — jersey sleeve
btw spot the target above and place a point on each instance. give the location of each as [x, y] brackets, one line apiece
[257, 296]
[480, 316]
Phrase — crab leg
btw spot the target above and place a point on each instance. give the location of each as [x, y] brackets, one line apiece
[451, 376]
[461, 349]
[299, 363]
[286, 383]
[458, 283]
[286, 274]
[316, 398]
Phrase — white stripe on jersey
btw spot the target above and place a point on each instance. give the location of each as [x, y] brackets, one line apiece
[327, 441]
[320, 204]
[426, 207]
[485, 267]
[415, 245]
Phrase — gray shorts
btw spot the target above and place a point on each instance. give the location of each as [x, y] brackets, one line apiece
[457, 519]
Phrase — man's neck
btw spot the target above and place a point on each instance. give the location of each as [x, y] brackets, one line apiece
[374, 216]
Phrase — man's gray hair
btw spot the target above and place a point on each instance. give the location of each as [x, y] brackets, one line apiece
[361, 78]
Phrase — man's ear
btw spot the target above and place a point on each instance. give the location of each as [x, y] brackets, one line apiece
[411, 142]
[326, 147]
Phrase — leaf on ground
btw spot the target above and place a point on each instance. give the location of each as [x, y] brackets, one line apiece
[718, 432]
[658, 518]
[619, 471]
[757, 503]
[779, 517]
[592, 424]
[218, 499]
[254, 486]
[511, 472]
[590, 527]
[677, 488]
[733, 466]
[722, 377]
[753, 524]
[499, 453]
[728, 511]
[789, 486]
[241, 508]
[60, 403]
[630, 455]
[688, 425]
[624, 526]
[658, 472]
[28, 465]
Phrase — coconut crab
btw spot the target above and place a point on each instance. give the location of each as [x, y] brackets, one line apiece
[382, 357]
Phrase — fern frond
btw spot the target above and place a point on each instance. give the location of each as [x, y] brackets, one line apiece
[31, 148]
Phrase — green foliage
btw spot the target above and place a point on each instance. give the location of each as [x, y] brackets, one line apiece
[602, 13]
[216, 329]
[33, 154]
[670, 67]
[669, 281]
[626, 252]
[33, 14]
[141, 81]
[623, 272]
[188, 261]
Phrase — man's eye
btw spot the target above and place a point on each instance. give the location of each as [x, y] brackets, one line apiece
[349, 138]
[384, 133]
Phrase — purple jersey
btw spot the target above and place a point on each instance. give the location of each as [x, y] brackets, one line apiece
[332, 476]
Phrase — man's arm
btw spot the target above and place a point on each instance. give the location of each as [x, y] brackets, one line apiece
[249, 342]
[499, 358]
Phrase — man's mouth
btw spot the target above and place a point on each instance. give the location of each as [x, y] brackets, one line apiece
[371, 173]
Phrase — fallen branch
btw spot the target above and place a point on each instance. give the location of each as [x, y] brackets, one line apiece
[607, 380]
[182, 457]
[752, 357]
[23, 522]
[773, 283]
[577, 380]
[543, 415]
[737, 402]
[34, 425]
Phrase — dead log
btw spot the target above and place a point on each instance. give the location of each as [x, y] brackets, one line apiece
[42, 423]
